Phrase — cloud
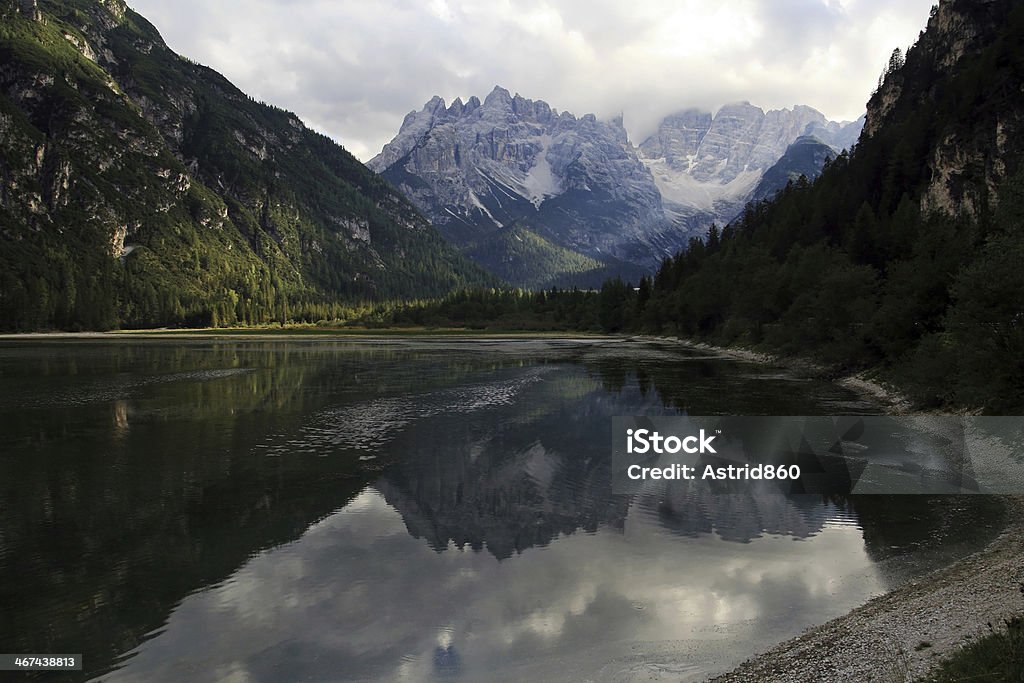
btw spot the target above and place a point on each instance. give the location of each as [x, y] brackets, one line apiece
[353, 69]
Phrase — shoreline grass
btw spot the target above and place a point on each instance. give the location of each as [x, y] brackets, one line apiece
[998, 656]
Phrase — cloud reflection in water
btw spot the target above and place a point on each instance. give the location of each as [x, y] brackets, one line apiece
[358, 598]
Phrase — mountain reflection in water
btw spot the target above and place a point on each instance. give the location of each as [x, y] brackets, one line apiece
[412, 510]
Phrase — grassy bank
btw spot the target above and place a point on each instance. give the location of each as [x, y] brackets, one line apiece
[998, 656]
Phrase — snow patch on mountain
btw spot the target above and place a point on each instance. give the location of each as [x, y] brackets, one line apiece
[475, 201]
[541, 181]
[684, 196]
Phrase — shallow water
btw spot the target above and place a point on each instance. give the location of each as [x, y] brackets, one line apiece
[219, 510]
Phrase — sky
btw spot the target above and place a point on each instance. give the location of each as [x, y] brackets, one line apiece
[353, 69]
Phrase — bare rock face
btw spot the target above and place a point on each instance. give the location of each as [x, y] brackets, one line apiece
[968, 159]
[708, 166]
[965, 30]
[476, 166]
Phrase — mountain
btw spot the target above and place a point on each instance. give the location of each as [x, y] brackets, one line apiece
[140, 188]
[708, 166]
[805, 158]
[952, 107]
[476, 168]
[838, 136]
[905, 255]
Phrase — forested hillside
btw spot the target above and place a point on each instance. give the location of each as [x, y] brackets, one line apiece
[905, 255]
[138, 188]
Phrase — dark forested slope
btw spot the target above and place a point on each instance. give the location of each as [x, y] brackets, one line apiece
[139, 188]
[906, 253]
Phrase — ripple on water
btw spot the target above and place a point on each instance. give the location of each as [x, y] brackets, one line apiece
[119, 387]
[368, 426]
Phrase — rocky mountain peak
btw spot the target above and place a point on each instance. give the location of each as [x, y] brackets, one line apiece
[580, 181]
[739, 108]
[708, 165]
[499, 98]
[618, 126]
[434, 106]
[456, 108]
[513, 159]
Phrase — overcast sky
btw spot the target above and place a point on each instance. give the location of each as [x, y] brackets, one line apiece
[353, 69]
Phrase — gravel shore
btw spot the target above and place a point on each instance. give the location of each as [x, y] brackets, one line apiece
[901, 635]
[904, 634]
[889, 399]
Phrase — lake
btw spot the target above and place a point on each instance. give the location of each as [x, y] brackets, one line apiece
[413, 509]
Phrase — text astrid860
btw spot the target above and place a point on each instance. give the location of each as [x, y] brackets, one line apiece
[730, 472]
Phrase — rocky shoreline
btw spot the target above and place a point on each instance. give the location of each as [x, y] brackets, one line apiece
[890, 399]
[904, 634]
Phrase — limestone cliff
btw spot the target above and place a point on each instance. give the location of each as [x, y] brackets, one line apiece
[479, 166]
[954, 94]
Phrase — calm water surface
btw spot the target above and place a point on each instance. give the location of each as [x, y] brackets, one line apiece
[412, 510]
